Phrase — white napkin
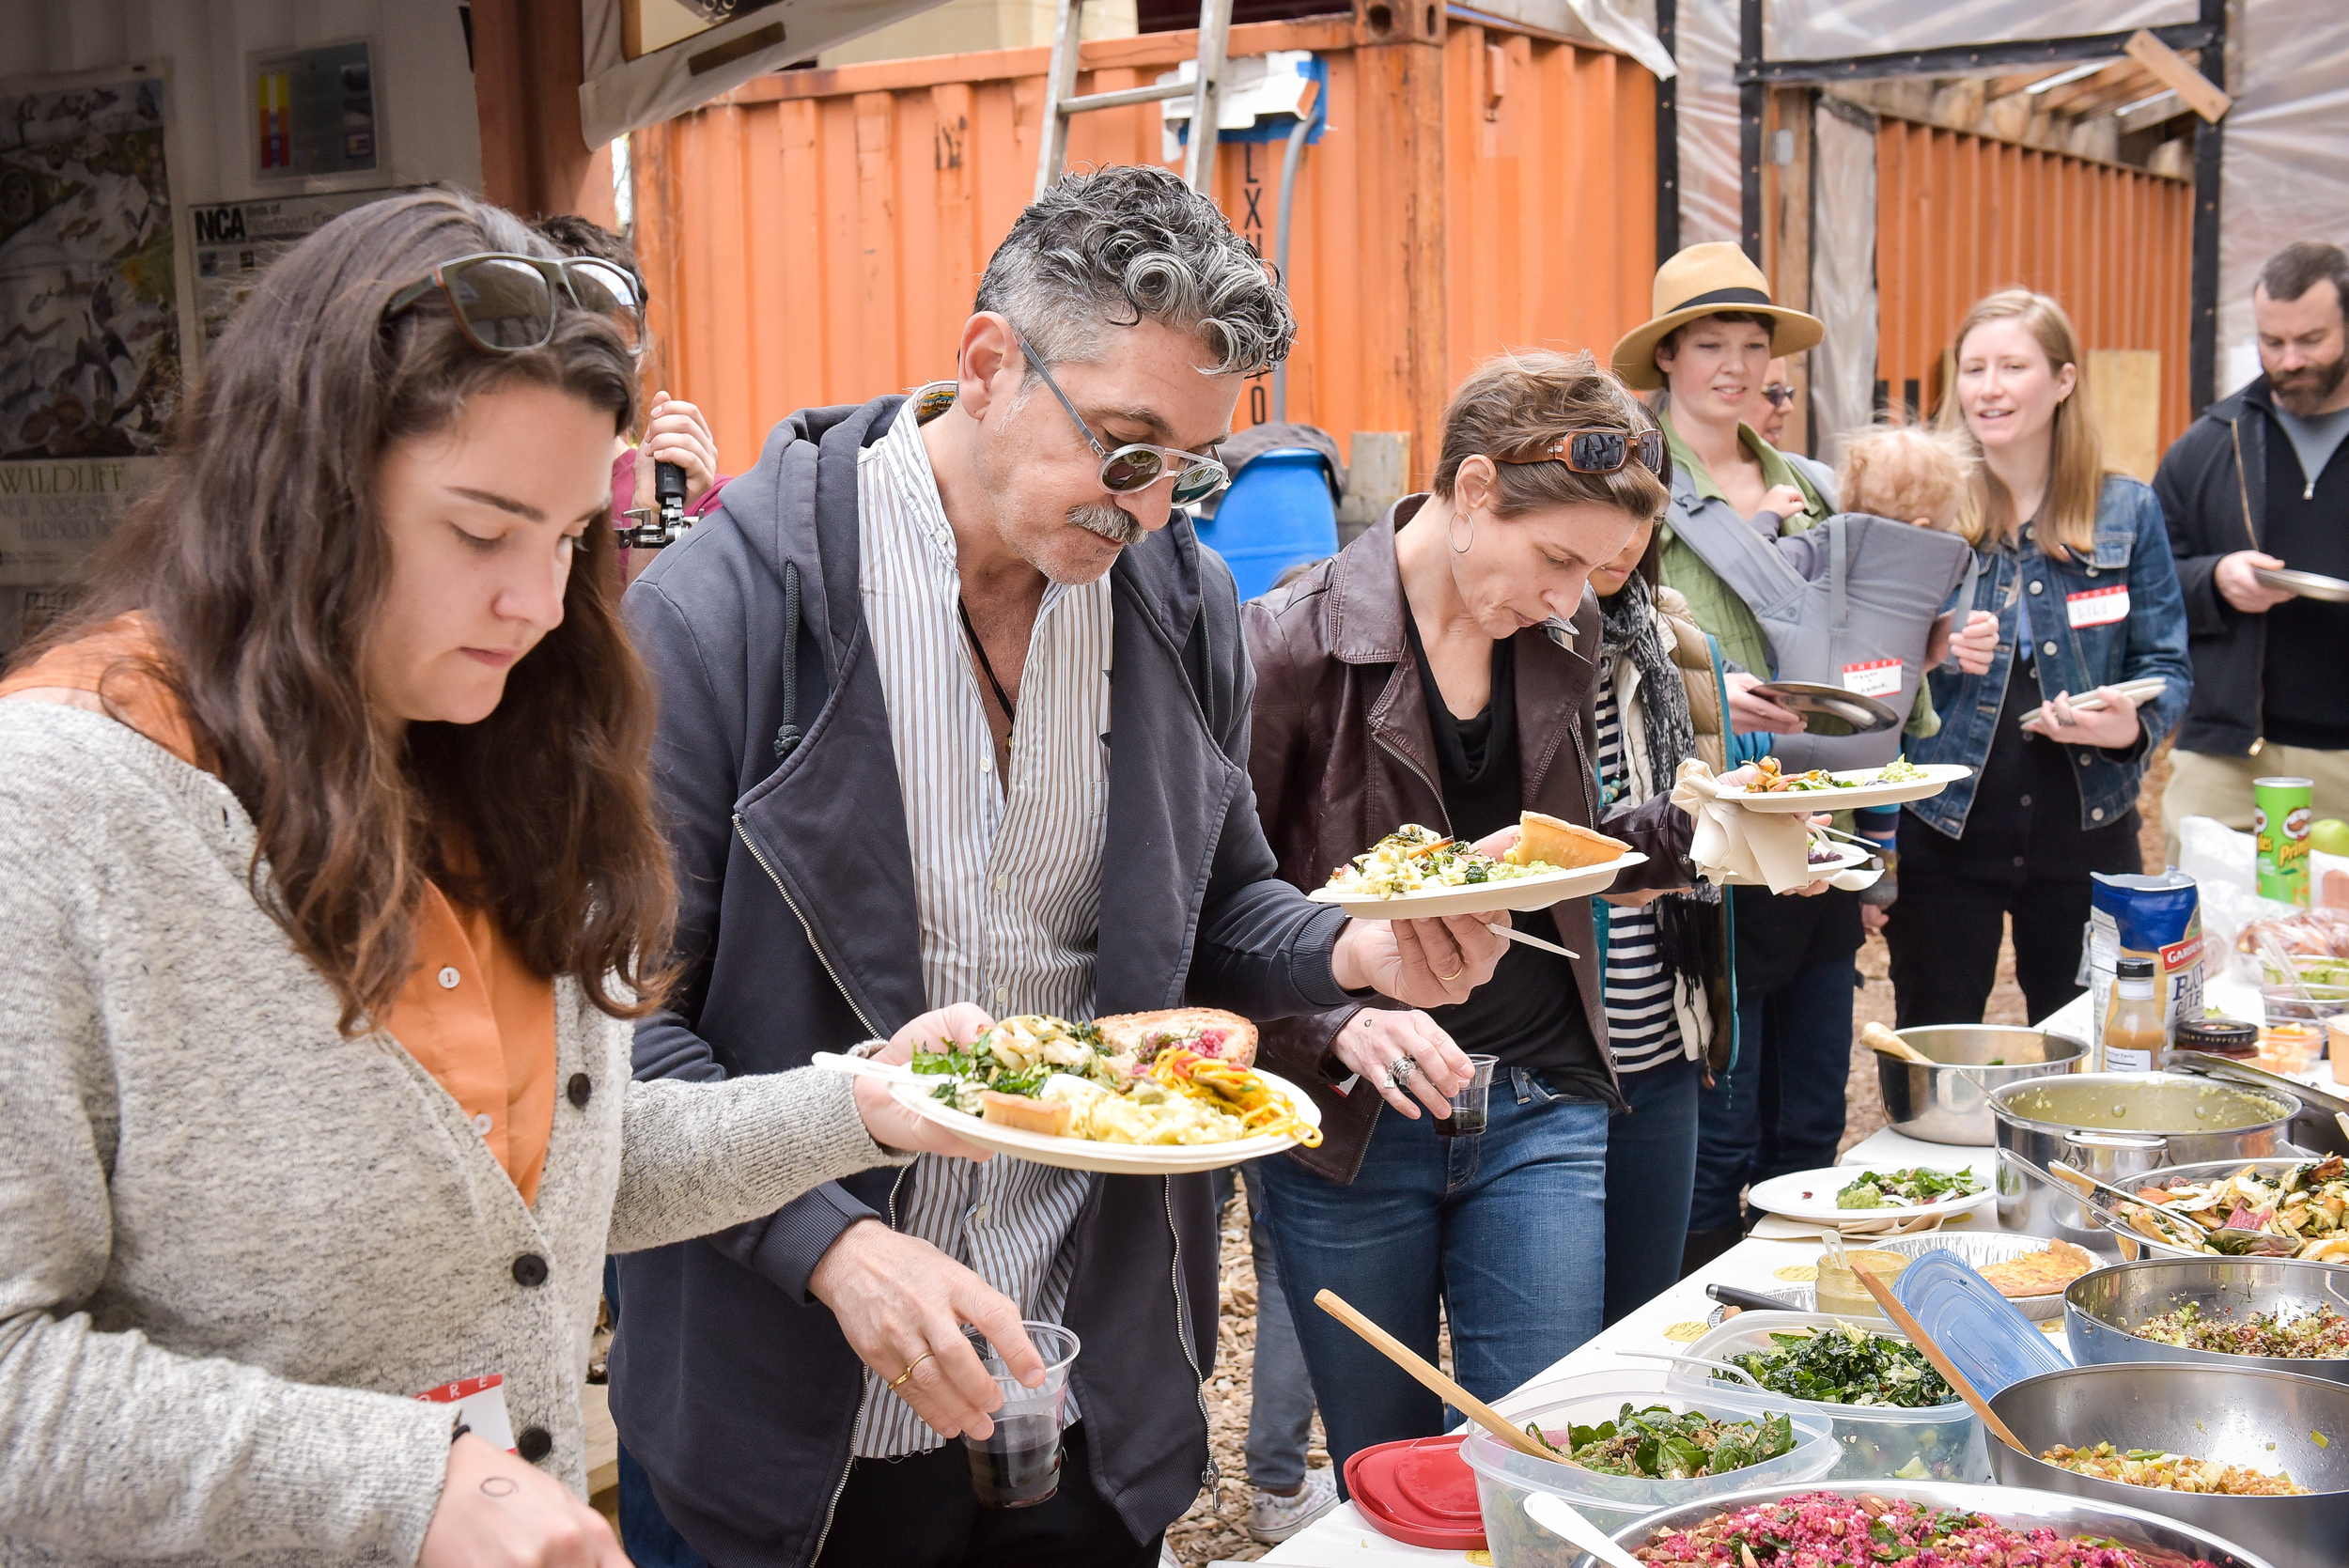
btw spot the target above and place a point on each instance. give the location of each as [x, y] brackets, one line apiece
[1770, 847]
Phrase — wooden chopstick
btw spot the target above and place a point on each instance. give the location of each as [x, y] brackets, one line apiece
[1908, 1325]
[1403, 1356]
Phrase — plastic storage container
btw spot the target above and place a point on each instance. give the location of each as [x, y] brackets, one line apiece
[1878, 1441]
[1506, 1478]
[1279, 511]
[1986, 1336]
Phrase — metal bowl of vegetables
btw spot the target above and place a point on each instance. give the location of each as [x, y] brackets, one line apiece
[2191, 1441]
[2289, 1208]
[2108, 1314]
[2160, 1542]
[1950, 1101]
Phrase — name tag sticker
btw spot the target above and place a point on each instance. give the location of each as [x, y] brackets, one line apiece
[1877, 678]
[480, 1403]
[2098, 606]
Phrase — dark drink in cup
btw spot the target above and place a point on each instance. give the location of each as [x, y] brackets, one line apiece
[1019, 1466]
[1461, 1123]
[1471, 1107]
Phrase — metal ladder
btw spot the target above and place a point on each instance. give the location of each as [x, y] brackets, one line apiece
[1207, 92]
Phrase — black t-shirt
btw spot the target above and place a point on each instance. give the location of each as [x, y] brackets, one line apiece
[1529, 1014]
[2025, 824]
[2307, 527]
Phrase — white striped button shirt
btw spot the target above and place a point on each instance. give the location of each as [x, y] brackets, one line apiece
[1007, 881]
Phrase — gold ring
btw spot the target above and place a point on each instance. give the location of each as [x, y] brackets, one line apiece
[909, 1366]
[1455, 974]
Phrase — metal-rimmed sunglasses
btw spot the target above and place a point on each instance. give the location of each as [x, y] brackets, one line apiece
[1601, 451]
[1138, 465]
[504, 303]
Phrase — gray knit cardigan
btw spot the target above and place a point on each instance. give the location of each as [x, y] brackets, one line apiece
[234, 1245]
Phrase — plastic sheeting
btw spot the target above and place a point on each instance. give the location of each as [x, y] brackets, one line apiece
[2285, 174]
[1712, 198]
[1843, 270]
[1833, 29]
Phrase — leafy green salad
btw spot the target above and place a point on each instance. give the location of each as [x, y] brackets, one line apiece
[1847, 1365]
[1919, 1183]
[1660, 1444]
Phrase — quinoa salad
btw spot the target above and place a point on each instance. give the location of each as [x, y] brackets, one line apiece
[1820, 1529]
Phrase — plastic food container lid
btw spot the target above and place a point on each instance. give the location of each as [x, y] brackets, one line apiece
[1983, 1334]
[1418, 1491]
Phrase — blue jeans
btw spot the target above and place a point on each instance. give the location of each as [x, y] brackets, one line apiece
[1281, 1394]
[645, 1533]
[1651, 1173]
[1505, 1232]
[1781, 1108]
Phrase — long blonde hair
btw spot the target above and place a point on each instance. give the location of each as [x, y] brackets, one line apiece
[2066, 524]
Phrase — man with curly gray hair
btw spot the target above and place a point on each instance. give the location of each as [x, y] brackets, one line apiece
[901, 776]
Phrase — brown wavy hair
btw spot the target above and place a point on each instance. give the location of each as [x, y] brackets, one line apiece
[261, 560]
[1516, 403]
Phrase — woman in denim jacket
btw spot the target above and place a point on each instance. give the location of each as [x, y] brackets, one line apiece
[2075, 562]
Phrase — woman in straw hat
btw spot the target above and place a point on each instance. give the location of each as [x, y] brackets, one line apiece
[1775, 1104]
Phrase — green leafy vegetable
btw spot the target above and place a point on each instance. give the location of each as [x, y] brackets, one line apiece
[1917, 1185]
[1845, 1365]
[1659, 1443]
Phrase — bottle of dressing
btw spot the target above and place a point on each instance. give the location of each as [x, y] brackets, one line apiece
[2133, 1035]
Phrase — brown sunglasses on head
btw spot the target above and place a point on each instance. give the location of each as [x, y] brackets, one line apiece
[1599, 451]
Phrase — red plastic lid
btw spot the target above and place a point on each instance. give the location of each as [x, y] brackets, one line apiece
[1420, 1492]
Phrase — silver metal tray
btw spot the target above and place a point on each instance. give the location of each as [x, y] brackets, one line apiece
[1865, 715]
[2308, 584]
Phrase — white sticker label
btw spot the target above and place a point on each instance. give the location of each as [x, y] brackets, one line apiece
[480, 1403]
[1880, 678]
[2098, 606]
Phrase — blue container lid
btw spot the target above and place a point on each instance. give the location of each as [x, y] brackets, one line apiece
[1983, 1334]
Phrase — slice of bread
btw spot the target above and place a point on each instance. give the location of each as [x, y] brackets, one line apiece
[1561, 844]
[1022, 1114]
[1208, 1031]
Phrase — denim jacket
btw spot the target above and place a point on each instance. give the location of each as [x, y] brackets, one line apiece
[2145, 637]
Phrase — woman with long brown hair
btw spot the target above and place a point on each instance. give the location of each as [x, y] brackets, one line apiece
[329, 846]
[2075, 562]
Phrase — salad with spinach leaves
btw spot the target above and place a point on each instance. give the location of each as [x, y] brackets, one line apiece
[1919, 1183]
[1660, 1444]
[1847, 1365]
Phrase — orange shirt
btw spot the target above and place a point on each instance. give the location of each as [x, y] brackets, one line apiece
[473, 1014]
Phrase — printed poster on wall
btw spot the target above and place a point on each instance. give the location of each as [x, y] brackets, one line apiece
[96, 296]
[236, 241]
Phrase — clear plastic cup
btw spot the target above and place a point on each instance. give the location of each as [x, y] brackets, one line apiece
[1471, 1107]
[1017, 1465]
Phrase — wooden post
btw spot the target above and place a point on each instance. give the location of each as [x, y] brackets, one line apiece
[1787, 241]
[1398, 66]
[526, 76]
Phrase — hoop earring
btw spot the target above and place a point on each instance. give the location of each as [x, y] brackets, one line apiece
[1457, 548]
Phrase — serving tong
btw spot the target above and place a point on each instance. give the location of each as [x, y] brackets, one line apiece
[2098, 1198]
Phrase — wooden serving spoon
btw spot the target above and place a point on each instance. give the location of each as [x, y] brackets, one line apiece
[1908, 1323]
[1885, 1043]
[1458, 1398]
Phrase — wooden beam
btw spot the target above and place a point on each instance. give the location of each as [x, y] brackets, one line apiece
[526, 74]
[2203, 96]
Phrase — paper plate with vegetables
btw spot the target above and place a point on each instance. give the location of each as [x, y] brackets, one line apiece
[1137, 1094]
[1897, 780]
[1845, 1192]
[1417, 873]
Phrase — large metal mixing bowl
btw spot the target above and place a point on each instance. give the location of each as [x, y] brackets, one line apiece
[1949, 1103]
[2177, 1118]
[2163, 1542]
[2100, 1309]
[2267, 1421]
[2208, 1170]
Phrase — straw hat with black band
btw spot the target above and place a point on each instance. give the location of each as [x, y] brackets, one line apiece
[1709, 280]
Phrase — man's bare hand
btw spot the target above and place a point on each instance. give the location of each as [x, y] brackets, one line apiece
[2246, 592]
[1420, 963]
[902, 1304]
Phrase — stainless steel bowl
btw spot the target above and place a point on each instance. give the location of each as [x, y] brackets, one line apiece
[2208, 1170]
[2100, 1309]
[2163, 1542]
[1949, 1103]
[2268, 1421]
[2181, 1119]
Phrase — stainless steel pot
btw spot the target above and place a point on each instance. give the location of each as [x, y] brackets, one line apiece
[2180, 1119]
[2209, 1169]
[2101, 1309]
[1949, 1102]
[2266, 1421]
[2016, 1507]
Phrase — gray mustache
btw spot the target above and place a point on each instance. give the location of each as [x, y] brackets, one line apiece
[1111, 523]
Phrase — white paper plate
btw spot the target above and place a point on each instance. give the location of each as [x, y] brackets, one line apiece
[1784, 1195]
[1939, 776]
[1521, 892]
[1115, 1159]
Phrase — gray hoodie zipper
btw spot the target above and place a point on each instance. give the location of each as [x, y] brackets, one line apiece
[743, 834]
[1212, 1477]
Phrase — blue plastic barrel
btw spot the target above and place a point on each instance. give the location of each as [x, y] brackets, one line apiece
[1279, 511]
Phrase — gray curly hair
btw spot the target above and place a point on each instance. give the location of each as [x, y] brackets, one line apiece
[1111, 248]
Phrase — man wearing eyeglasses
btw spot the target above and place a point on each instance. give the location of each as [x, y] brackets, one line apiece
[954, 711]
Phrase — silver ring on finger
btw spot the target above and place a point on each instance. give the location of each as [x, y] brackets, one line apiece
[1399, 1071]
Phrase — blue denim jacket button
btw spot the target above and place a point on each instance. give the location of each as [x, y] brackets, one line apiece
[2046, 648]
[2036, 587]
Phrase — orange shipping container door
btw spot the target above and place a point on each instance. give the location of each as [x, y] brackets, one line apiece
[1959, 216]
[817, 237]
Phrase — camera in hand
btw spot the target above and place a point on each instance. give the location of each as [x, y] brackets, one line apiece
[1019, 1466]
[659, 527]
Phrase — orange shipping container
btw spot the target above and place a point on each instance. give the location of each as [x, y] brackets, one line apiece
[816, 237]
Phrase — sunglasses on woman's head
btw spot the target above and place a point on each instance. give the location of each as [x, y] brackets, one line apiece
[505, 303]
[1601, 451]
[1138, 465]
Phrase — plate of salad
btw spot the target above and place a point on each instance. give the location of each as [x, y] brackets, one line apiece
[1842, 1193]
[1897, 780]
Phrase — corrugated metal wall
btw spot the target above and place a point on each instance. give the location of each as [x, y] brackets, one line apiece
[817, 236]
[1958, 216]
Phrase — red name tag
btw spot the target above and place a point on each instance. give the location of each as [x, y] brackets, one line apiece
[2098, 606]
[1877, 678]
[480, 1403]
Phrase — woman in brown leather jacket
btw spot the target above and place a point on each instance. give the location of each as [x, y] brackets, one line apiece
[1441, 670]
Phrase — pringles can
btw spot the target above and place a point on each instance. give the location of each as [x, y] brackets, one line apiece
[2281, 811]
